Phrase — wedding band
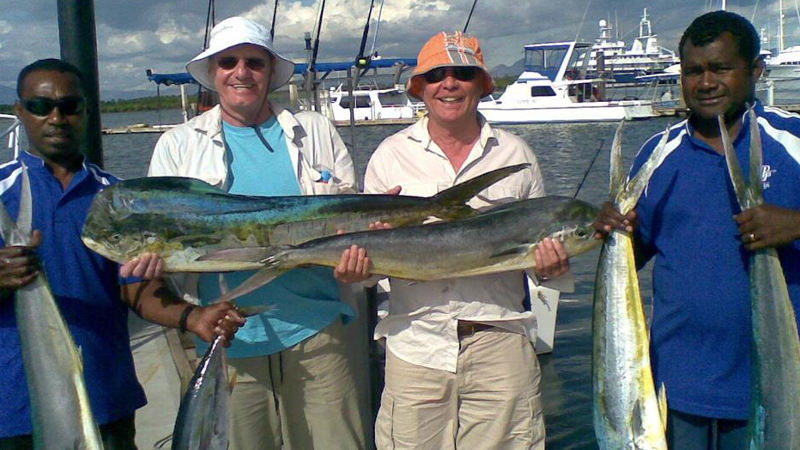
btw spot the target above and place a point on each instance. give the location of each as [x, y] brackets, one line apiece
[752, 237]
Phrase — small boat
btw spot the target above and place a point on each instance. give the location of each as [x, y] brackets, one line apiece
[552, 88]
[371, 106]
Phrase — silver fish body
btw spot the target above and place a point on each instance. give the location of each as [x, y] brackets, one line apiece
[60, 410]
[499, 240]
[182, 219]
[204, 413]
[775, 405]
[627, 411]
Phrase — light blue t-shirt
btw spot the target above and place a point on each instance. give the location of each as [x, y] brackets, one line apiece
[303, 301]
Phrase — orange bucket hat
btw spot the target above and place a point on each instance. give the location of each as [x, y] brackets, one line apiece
[448, 50]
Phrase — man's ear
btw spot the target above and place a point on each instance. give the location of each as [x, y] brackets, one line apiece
[758, 67]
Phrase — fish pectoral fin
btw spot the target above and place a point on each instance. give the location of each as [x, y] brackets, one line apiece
[662, 405]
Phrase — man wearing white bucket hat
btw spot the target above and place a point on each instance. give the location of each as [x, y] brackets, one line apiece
[295, 382]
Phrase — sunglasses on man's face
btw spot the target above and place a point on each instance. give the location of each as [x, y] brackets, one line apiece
[229, 62]
[459, 73]
[43, 106]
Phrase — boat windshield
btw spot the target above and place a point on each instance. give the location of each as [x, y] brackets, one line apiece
[362, 101]
[545, 60]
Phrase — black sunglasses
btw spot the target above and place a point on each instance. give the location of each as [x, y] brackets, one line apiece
[43, 106]
[229, 62]
[459, 73]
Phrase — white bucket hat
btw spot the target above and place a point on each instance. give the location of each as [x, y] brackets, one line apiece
[236, 31]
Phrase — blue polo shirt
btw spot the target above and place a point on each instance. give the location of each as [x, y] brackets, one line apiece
[701, 326]
[86, 287]
[303, 301]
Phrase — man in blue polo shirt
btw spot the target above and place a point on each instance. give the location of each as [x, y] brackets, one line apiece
[86, 286]
[689, 220]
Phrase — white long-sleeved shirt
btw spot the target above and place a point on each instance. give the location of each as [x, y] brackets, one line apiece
[423, 316]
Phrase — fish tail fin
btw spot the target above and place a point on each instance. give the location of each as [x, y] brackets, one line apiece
[734, 169]
[453, 201]
[18, 233]
[755, 188]
[616, 177]
[275, 264]
[629, 196]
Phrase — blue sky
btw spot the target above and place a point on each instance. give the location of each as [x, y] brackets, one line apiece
[134, 35]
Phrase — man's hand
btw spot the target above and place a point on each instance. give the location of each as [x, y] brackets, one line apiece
[768, 226]
[147, 266]
[219, 319]
[19, 265]
[551, 259]
[354, 265]
[609, 219]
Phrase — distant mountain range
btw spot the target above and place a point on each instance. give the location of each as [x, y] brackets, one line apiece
[508, 71]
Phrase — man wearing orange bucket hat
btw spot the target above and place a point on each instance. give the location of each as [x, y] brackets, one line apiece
[461, 371]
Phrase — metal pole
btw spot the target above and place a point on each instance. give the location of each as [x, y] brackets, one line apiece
[76, 32]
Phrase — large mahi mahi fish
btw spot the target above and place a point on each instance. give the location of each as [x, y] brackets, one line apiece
[627, 413]
[775, 405]
[60, 410]
[501, 239]
[182, 219]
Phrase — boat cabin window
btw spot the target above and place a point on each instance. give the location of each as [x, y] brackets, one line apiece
[362, 101]
[545, 61]
[542, 91]
[394, 98]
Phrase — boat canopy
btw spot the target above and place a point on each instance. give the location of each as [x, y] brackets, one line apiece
[169, 79]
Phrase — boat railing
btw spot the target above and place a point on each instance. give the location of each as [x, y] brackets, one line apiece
[11, 131]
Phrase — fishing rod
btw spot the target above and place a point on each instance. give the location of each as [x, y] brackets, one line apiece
[311, 72]
[589, 169]
[377, 28]
[272, 29]
[361, 61]
[474, 2]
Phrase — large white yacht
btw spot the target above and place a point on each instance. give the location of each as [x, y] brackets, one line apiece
[623, 65]
[552, 88]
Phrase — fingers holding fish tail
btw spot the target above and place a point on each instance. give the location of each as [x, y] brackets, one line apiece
[220, 319]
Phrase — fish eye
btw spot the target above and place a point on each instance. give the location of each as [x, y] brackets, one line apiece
[116, 237]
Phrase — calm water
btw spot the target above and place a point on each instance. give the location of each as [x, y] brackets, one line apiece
[565, 152]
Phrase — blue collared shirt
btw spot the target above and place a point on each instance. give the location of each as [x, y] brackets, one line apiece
[87, 289]
[701, 328]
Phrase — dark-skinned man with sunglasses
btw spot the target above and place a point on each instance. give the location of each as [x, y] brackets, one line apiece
[89, 290]
[296, 378]
[461, 371]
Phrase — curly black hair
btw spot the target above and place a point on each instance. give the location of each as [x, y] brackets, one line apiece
[708, 27]
[49, 64]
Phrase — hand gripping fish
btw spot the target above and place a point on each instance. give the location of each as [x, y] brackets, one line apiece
[627, 413]
[204, 414]
[60, 410]
[182, 219]
[501, 239]
[775, 405]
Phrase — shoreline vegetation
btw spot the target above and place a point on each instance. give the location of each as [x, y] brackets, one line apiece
[156, 103]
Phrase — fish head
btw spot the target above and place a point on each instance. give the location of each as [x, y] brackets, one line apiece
[109, 229]
[572, 225]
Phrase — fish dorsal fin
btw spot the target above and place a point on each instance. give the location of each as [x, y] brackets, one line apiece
[629, 196]
[463, 192]
[171, 183]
